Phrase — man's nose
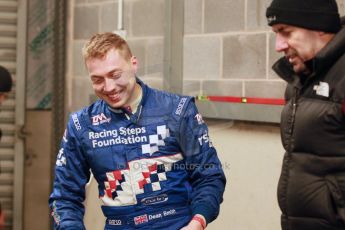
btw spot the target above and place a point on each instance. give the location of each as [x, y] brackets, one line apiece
[281, 43]
[109, 85]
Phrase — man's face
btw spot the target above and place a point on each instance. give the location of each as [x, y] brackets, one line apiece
[299, 45]
[113, 78]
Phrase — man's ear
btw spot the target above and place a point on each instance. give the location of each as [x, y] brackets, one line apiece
[325, 37]
[134, 63]
[321, 33]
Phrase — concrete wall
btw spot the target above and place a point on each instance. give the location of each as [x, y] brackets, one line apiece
[229, 49]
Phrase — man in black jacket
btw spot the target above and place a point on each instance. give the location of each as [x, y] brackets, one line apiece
[311, 189]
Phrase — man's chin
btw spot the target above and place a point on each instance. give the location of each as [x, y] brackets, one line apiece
[115, 105]
[298, 68]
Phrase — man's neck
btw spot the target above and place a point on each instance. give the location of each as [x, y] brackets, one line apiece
[137, 96]
[325, 38]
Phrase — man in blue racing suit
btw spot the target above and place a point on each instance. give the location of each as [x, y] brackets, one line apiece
[149, 151]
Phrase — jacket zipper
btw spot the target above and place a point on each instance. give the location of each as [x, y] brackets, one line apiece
[290, 147]
[293, 115]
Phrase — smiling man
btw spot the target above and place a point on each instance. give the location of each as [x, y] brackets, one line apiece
[149, 151]
[311, 189]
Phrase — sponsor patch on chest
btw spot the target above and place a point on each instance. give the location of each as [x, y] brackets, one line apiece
[150, 143]
[322, 89]
[155, 199]
[100, 119]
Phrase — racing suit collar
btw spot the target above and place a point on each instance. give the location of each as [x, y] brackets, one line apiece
[136, 116]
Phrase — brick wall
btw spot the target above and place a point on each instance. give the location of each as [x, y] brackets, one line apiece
[229, 49]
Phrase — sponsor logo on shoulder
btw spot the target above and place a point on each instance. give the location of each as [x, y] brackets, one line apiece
[322, 89]
[205, 139]
[100, 119]
[141, 219]
[76, 121]
[180, 106]
[155, 199]
[61, 159]
[198, 117]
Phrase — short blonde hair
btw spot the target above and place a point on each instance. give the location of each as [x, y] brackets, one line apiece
[100, 43]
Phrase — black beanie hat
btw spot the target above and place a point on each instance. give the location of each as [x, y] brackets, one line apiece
[5, 80]
[320, 15]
